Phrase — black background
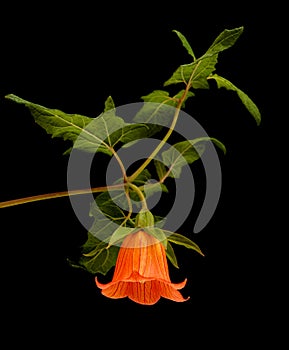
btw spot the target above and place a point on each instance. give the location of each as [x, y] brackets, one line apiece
[72, 58]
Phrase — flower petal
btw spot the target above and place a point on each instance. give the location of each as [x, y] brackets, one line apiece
[169, 291]
[146, 293]
[141, 272]
[114, 290]
[143, 253]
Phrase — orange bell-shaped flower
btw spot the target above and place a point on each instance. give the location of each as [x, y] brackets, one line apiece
[141, 272]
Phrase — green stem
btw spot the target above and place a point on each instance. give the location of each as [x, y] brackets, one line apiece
[122, 168]
[140, 194]
[161, 144]
[156, 150]
[41, 197]
[129, 207]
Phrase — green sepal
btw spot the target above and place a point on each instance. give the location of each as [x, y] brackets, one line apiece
[119, 235]
[171, 255]
[144, 219]
[158, 233]
[182, 240]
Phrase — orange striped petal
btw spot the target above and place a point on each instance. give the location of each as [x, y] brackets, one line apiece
[169, 291]
[146, 293]
[143, 253]
[114, 290]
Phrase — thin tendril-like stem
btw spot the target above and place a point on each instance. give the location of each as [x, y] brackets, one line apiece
[140, 194]
[41, 197]
[122, 168]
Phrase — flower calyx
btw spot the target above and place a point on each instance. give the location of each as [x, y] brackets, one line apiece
[144, 219]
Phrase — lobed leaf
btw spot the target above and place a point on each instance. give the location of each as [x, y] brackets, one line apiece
[196, 73]
[97, 257]
[99, 134]
[156, 113]
[185, 152]
[157, 107]
[107, 215]
[54, 121]
[86, 133]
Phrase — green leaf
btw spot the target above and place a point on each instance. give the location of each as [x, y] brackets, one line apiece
[142, 178]
[158, 106]
[97, 257]
[171, 255]
[86, 133]
[102, 134]
[225, 40]
[196, 73]
[248, 103]
[158, 233]
[134, 131]
[109, 105]
[106, 202]
[107, 214]
[54, 121]
[129, 132]
[159, 96]
[185, 152]
[158, 110]
[148, 186]
[125, 133]
[99, 134]
[159, 221]
[91, 245]
[162, 97]
[160, 169]
[182, 240]
[155, 113]
[179, 155]
[154, 187]
[185, 43]
[120, 233]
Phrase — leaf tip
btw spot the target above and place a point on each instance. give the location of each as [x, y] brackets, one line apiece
[258, 120]
[9, 96]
